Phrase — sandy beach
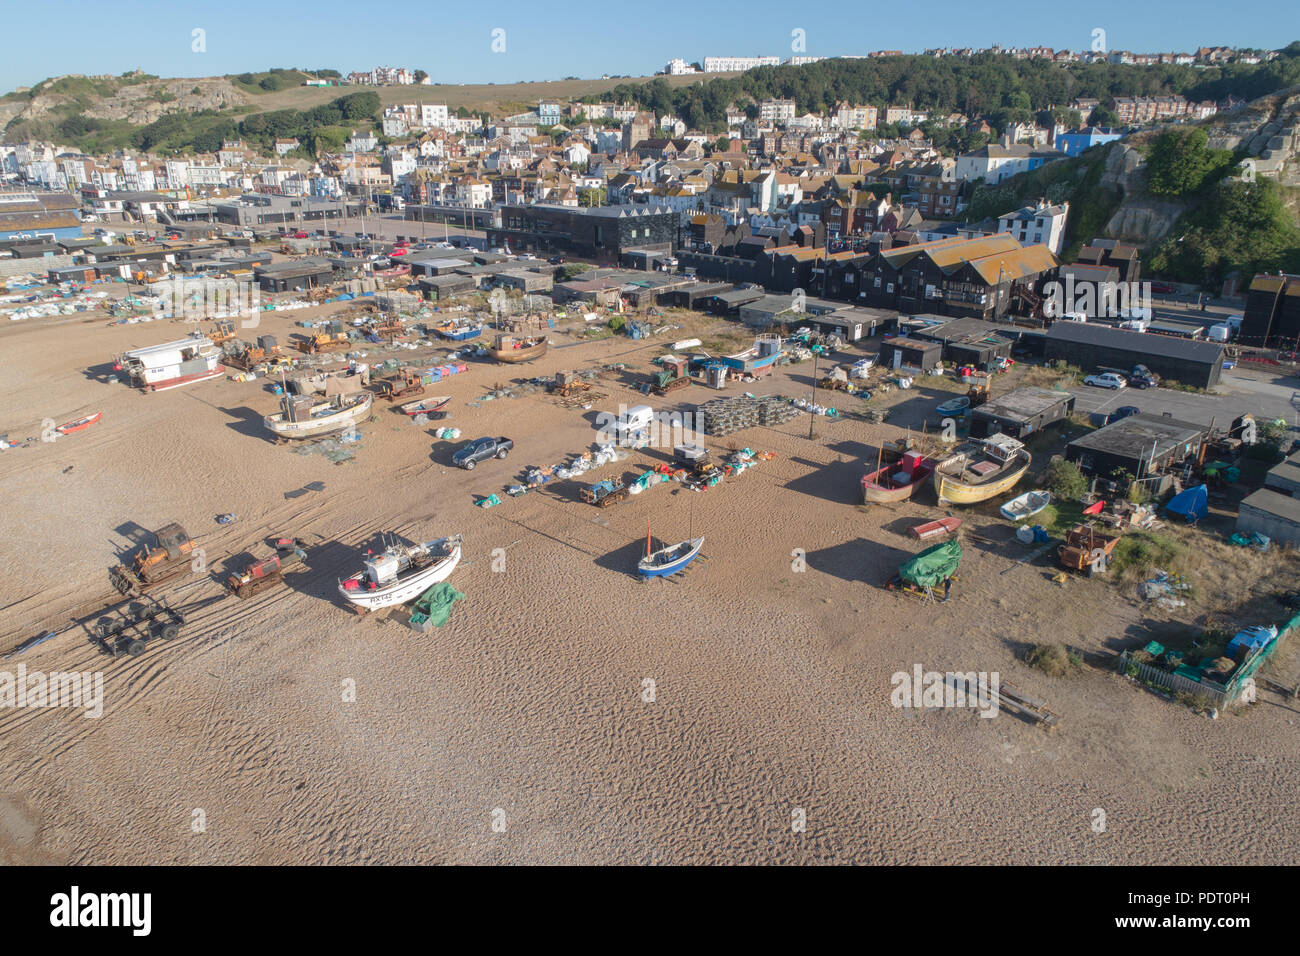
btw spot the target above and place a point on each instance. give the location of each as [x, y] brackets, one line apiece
[520, 732]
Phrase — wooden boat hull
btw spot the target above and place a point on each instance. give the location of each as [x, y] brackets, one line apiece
[954, 491]
[324, 425]
[932, 529]
[515, 356]
[426, 406]
[876, 493]
[647, 569]
[404, 590]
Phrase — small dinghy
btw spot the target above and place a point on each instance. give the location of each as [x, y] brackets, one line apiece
[932, 529]
[426, 406]
[67, 428]
[1026, 505]
[669, 560]
[954, 406]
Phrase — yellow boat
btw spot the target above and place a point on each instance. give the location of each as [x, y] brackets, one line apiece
[981, 469]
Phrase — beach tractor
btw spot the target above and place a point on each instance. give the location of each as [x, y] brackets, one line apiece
[269, 570]
[605, 493]
[410, 385]
[326, 340]
[672, 374]
[222, 331]
[169, 557]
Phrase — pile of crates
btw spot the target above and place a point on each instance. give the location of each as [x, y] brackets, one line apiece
[723, 416]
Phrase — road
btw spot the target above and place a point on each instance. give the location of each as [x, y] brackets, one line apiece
[1264, 395]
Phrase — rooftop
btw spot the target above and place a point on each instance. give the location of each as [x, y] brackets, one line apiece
[1141, 435]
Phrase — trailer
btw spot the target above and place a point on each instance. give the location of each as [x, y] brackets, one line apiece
[128, 629]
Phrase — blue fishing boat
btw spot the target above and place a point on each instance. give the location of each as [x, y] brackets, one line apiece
[458, 331]
[669, 560]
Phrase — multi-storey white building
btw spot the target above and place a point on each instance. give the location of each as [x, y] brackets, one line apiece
[776, 111]
[730, 64]
[1033, 225]
[679, 67]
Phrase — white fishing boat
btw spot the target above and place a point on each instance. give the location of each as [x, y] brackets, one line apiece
[1026, 505]
[302, 417]
[172, 364]
[401, 573]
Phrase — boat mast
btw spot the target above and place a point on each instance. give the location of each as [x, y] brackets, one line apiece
[647, 537]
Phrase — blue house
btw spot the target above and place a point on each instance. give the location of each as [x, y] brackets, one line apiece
[1076, 141]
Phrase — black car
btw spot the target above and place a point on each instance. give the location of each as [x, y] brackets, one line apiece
[556, 260]
[481, 449]
[1123, 412]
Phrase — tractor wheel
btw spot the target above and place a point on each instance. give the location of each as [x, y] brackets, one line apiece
[135, 648]
[169, 632]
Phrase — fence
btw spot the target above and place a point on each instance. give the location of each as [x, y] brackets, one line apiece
[1220, 695]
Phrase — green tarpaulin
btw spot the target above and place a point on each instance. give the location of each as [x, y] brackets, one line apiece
[932, 566]
[434, 605]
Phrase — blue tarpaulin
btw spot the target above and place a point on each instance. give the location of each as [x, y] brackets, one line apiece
[1190, 503]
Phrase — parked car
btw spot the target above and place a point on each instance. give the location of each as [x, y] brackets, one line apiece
[481, 449]
[1143, 377]
[556, 260]
[1106, 380]
[1163, 288]
[1123, 412]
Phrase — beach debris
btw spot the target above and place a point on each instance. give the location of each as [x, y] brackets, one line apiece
[230, 518]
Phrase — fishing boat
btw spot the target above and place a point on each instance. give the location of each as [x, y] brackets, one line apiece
[518, 348]
[897, 480]
[669, 560]
[1026, 505]
[954, 406]
[459, 330]
[172, 364]
[67, 428]
[401, 573]
[426, 406]
[301, 417]
[932, 529]
[978, 470]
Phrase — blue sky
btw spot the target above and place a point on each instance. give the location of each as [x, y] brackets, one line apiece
[547, 40]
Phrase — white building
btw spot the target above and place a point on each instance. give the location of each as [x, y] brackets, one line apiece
[731, 64]
[776, 111]
[1033, 225]
[679, 67]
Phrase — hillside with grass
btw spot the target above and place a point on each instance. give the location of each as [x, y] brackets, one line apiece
[140, 111]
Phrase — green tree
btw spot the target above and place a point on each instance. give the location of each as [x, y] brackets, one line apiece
[1180, 163]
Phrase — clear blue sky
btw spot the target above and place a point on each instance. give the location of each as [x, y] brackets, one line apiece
[550, 40]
